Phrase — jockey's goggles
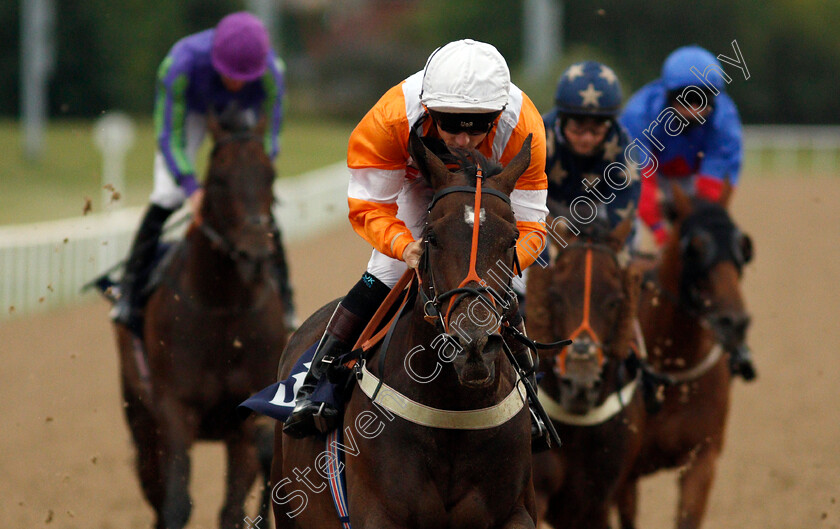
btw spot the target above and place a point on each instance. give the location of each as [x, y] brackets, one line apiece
[473, 124]
[582, 124]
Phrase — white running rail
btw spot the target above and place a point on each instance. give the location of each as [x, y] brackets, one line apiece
[44, 265]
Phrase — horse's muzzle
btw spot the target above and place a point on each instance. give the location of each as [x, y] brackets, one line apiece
[475, 363]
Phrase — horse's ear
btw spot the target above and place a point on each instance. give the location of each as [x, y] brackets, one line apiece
[511, 173]
[682, 203]
[214, 126]
[262, 123]
[619, 234]
[429, 164]
[726, 194]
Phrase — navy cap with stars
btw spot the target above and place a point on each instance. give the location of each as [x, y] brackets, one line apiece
[588, 89]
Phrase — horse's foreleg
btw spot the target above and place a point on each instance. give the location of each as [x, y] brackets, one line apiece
[242, 469]
[695, 485]
[144, 432]
[179, 427]
[626, 499]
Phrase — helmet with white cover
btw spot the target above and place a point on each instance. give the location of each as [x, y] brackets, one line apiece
[464, 77]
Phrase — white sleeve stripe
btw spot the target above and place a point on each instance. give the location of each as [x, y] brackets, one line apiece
[507, 122]
[375, 185]
[529, 204]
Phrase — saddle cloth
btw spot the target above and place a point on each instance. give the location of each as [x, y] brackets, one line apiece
[278, 400]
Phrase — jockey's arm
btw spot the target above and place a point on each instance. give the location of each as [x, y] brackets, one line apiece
[376, 158]
[170, 119]
[626, 200]
[272, 108]
[528, 198]
[721, 162]
[650, 210]
[637, 116]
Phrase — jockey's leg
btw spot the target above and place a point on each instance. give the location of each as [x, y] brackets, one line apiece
[356, 309]
[167, 196]
[344, 327]
[281, 270]
[128, 308]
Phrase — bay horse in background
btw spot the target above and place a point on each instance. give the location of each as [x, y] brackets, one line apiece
[589, 388]
[213, 335]
[692, 314]
[447, 440]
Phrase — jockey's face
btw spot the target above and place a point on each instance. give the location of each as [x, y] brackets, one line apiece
[692, 104]
[691, 115]
[585, 135]
[232, 85]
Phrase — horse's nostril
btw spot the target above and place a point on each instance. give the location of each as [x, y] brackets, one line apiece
[596, 385]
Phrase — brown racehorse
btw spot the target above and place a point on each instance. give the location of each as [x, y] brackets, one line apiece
[444, 445]
[589, 388]
[692, 313]
[213, 334]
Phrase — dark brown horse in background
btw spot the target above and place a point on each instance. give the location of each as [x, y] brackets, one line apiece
[213, 335]
[402, 472]
[589, 389]
[692, 313]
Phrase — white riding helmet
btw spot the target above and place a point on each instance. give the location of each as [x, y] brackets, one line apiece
[466, 76]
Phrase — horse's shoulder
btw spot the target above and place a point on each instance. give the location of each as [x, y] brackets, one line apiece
[170, 258]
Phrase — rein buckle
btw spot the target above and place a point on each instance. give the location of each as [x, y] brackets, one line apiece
[430, 312]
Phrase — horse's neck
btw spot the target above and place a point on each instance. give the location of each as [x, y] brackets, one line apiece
[444, 391]
[211, 276]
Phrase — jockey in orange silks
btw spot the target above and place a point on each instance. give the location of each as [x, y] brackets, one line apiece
[464, 98]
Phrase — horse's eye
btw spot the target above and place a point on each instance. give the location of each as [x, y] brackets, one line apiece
[431, 238]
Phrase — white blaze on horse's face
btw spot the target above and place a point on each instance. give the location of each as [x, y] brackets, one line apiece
[469, 215]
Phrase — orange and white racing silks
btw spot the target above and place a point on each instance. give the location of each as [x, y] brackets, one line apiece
[388, 199]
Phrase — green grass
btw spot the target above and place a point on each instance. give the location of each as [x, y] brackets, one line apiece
[60, 184]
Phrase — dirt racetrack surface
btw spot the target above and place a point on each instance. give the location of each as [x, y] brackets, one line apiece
[66, 460]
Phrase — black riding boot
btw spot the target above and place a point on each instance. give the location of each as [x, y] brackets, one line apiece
[345, 326]
[281, 271]
[128, 310]
[540, 440]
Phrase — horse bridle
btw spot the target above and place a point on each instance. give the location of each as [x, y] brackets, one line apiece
[219, 241]
[224, 245]
[433, 303]
[585, 326]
